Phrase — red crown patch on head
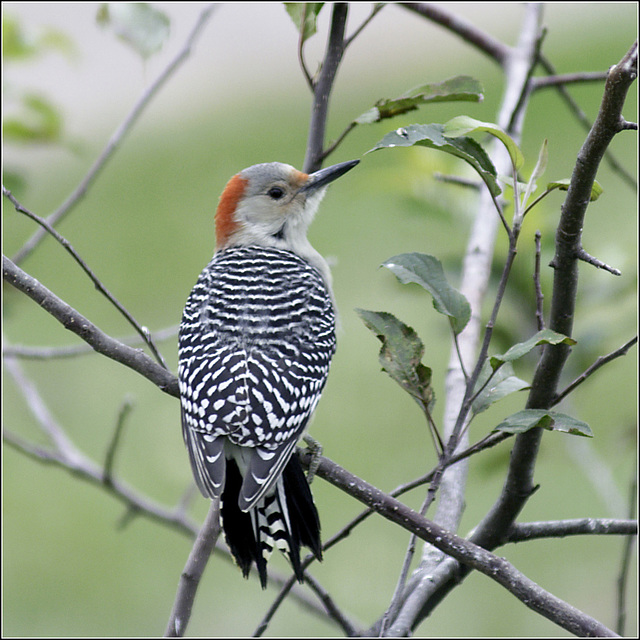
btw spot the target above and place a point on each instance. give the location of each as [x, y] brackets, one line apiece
[225, 220]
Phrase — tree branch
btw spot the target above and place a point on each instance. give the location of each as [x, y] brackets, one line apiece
[475, 278]
[484, 42]
[323, 86]
[523, 531]
[192, 572]
[87, 331]
[143, 332]
[465, 552]
[519, 484]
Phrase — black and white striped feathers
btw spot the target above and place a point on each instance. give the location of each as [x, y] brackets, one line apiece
[256, 340]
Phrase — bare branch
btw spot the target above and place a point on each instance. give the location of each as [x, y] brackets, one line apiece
[487, 44]
[584, 121]
[78, 324]
[625, 561]
[323, 86]
[142, 331]
[192, 572]
[589, 259]
[374, 10]
[465, 552]
[523, 531]
[601, 361]
[543, 82]
[519, 483]
[331, 607]
[125, 410]
[50, 353]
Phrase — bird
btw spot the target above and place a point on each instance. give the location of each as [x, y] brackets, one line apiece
[255, 343]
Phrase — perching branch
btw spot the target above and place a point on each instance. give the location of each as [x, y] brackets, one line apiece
[465, 552]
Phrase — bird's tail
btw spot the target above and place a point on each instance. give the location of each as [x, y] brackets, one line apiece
[286, 519]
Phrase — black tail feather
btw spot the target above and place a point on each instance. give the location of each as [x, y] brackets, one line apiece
[303, 517]
[238, 530]
[305, 523]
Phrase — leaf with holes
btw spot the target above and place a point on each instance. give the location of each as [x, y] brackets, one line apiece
[432, 136]
[401, 355]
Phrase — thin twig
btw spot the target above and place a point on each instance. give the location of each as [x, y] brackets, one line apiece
[118, 136]
[625, 560]
[537, 284]
[322, 88]
[125, 410]
[585, 122]
[374, 10]
[87, 470]
[143, 332]
[484, 42]
[589, 259]
[49, 353]
[332, 609]
[303, 66]
[543, 82]
[601, 361]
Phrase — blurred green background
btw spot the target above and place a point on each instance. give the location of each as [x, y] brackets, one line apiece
[145, 228]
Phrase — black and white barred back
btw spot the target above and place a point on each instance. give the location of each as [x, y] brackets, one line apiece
[256, 340]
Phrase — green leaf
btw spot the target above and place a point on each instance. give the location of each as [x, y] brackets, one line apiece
[546, 336]
[530, 418]
[458, 88]
[563, 185]
[39, 121]
[462, 125]
[304, 16]
[432, 136]
[401, 355]
[427, 271]
[137, 24]
[495, 385]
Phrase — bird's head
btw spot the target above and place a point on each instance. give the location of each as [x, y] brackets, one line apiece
[272, 204]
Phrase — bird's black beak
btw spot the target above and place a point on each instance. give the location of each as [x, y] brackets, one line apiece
[324, 176]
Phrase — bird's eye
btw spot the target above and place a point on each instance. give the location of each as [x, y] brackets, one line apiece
[276, 193]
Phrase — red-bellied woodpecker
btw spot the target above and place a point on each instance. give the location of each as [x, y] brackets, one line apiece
[256, 339]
